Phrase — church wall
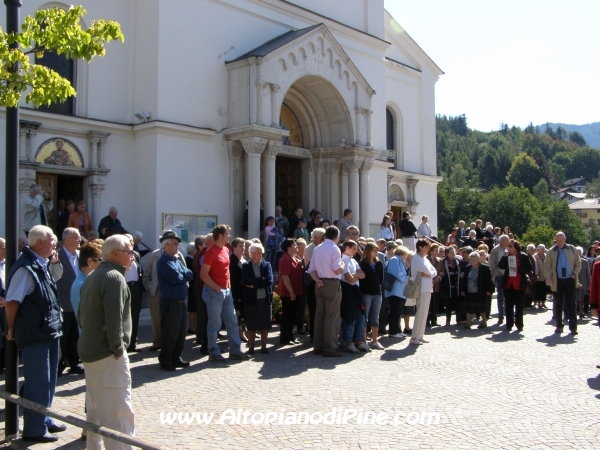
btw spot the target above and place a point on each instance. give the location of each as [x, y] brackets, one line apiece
[426, 194]
[378, 187]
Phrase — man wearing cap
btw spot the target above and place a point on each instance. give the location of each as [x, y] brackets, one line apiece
[173, 277]
[150, 280]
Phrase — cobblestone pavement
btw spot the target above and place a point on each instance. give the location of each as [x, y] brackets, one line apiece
[492, 390]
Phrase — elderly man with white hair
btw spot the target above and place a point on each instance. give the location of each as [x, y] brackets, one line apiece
[495, 256]
[35, 323]
[104, 315]
[137, 240]
[173, 278]
[36, 208]
[110, 225]
[561, 268]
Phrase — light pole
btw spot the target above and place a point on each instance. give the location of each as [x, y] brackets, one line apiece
[11, 415]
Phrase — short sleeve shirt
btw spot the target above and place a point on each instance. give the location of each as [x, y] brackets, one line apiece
[218, 260]
[292, 267]
[351, 268]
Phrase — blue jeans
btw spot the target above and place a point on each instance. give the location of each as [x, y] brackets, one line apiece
[271, 257]
[372, 307]
[354, 331]
[219, 307]
[500, 298]
[40, 365]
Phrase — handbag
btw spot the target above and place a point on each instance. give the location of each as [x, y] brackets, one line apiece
[410, 302]
[413, 287]
[388, 279]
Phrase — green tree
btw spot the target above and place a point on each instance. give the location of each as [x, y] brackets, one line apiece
[563, 218]
[49, 30]
[540, 191]
[593, 232]
[524, 171]
[539, 234]
[577, 138]
[513, 206]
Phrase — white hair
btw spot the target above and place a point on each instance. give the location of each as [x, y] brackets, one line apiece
[531, 247]
[138, 234]
[166, 241]
[475, 255]
[317, 233]
[472, 232]
[503, 238]
[190, 248]
[68, 232]
[114, 242]
[489, 228]
[541, 246]
[399, 242]
[39, 233]
[254, 247]
[113, 208]
[580, 250]
[34, 186]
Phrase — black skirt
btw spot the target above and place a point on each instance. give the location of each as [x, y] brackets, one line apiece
[475, 304]
[259, 316]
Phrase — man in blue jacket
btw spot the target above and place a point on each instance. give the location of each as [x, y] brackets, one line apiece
[173, 277]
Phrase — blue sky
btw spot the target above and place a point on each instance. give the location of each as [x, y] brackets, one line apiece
[516, 61]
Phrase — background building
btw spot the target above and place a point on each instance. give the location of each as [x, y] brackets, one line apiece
[212, 103]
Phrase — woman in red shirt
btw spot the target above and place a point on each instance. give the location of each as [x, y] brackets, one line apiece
[514, 281]
[290, 289]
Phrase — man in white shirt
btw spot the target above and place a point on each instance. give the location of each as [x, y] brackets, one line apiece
[325, 269]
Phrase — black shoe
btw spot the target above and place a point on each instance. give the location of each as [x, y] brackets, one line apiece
[59, 373]
[168, 367]
[407, 331]
[597, 366]
[251, 351]
[190, 331]
[134, 350]
[44, 438]
[77, 370]
[181, 363]
[574, 333]
[154, 348]
[217, 359]
[558, 330]
[203, 351]
[56, 428]
[520, 329]
[264, 351]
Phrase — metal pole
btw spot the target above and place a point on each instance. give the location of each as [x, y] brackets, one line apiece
[11, 427]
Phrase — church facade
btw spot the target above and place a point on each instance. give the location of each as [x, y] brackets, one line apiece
[214, 106]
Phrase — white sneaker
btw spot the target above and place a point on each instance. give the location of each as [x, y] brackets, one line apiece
[376, 346]
[399, 335]
[351, 348]
[364, 347]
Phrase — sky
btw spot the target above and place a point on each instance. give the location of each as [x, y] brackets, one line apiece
[515, 61]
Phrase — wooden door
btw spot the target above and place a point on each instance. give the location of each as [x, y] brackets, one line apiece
[397, 217]
[48, 182]
[288, 193]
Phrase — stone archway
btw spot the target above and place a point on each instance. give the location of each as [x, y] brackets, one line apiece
[308, 72]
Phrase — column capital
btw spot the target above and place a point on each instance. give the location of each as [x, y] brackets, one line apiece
[254, 145]
[29, 125]
[96, 190]
[367, 165]
[411, 182]
[274, 147]
[98, 136]
[367, 112]
[234, 149]
[274, 88]
[352, 165]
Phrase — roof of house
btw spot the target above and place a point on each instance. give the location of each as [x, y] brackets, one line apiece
[573, 181]
[562, 190]
[579, 195]
[588, 203]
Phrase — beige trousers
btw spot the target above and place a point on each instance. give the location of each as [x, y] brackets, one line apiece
[327, 316]
[108, 400]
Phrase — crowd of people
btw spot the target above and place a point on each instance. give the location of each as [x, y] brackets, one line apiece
[79, 306]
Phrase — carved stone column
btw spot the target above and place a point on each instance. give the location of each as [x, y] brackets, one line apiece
[97, 140]
[364, 196]
[352, 166]
[95, 192]
[318, 169]
[259, 102]
[367, 112]
[23, 144]
[412, 200]
[235, 150]
[269, 156]
[344, 187]
[28, 132]
[311, 184]
[94, 152]
[254, 147]
[274, 111]
[26, 179]
[335, 190]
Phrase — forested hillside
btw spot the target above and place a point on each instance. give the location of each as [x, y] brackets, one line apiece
[505, 177]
